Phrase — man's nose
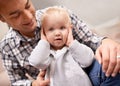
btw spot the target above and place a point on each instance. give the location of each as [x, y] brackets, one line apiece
[27, 15]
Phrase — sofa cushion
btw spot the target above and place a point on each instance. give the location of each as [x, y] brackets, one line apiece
[4, 80]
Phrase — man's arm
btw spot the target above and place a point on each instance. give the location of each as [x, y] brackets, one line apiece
[16, 74]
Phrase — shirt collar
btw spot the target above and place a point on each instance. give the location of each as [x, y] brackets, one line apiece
[22, 39]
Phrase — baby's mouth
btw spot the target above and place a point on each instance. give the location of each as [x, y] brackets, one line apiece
[58, 39]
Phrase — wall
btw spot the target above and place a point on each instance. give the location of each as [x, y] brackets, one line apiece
[94, 12]
[3, 29]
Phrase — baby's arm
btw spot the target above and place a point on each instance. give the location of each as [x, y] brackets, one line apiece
[81, 53]
[39, 57]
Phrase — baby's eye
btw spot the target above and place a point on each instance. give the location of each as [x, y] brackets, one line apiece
[51, 29]
[62, 28]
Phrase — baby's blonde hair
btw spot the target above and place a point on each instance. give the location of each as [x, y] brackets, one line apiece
[55, 10]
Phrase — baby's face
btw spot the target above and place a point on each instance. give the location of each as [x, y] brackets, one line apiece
[56, 31]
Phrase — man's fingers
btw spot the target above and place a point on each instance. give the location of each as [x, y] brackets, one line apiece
[112, 62]
[112, 65]
[105, 59]
[98, 56]
[45, 82]
[41, 79]
[29, 77]
[117, 67]
[41, 75]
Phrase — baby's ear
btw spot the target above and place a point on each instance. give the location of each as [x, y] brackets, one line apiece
[2, 19]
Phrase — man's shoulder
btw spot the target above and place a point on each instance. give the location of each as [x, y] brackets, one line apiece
[8, 38]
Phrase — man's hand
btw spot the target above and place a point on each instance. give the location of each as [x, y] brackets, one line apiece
[40, 80]
[106, 54]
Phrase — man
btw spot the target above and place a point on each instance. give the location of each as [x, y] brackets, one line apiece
[24, 36]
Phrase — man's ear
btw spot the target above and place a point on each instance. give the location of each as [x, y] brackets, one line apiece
[2, 19]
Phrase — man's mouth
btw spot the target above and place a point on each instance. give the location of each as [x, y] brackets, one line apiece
[29, 23]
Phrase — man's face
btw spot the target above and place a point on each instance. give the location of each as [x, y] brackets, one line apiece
[19, 14]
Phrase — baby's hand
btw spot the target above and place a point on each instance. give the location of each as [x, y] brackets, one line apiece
[70, 37]
[43, 37]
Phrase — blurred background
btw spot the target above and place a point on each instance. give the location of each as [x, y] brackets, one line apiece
[94, 12]
[100, 15]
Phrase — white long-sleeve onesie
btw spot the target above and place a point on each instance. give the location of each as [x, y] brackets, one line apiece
[63, 66]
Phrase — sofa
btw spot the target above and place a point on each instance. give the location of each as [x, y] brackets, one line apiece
[109, 29]
[4, 80]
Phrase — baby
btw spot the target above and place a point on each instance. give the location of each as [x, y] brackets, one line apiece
[59, 53]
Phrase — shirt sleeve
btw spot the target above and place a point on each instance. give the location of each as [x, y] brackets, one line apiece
[40, 55]
[15, 68]
[16, 75]
[81, 53]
